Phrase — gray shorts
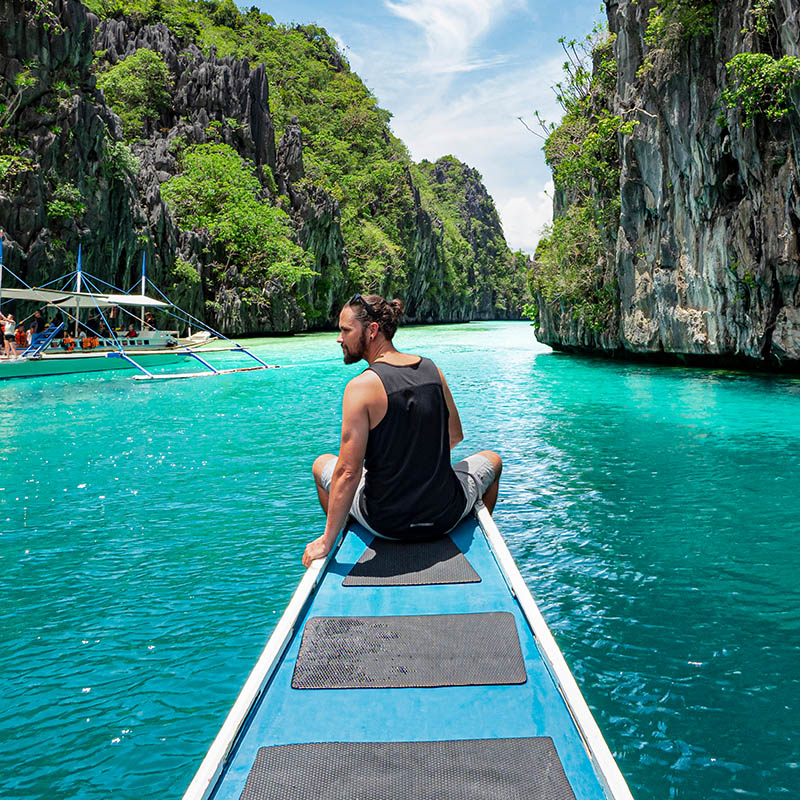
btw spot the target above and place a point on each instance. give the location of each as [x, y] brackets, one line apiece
[475, 473]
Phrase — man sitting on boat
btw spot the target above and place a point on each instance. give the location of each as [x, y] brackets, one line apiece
[399, 423]
[131, 333]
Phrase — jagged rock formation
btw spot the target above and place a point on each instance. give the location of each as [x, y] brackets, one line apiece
[706, 262]
[209, 90]
[316, 215]
[489, 268]
[62, 130]
[60, 135]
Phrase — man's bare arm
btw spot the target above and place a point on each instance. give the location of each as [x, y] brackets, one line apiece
[347, 473]
[454, 428]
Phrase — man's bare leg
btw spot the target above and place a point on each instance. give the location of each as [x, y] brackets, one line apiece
[319, 465]
[490, 497]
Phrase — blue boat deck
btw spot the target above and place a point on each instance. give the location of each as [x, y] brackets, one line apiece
[284, 715]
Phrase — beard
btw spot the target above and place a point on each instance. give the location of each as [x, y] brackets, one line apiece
[357, 353]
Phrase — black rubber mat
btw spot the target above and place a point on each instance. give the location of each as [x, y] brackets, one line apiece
[395, 652]
[472, 769]
[386, 563]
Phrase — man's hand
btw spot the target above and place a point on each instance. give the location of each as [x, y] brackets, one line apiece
[319, 548]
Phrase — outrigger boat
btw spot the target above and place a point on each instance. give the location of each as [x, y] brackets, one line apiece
[421, 671]
[58, 350]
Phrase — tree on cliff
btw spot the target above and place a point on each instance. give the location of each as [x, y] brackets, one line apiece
[700, 258]
[138, 88]
[330, 204]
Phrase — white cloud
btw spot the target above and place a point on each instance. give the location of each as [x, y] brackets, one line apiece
[451, 28]
[524, 217]
[483, 115]
[440, 78]
[480, 126]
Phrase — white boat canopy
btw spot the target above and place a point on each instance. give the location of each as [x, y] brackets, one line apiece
[83, 299]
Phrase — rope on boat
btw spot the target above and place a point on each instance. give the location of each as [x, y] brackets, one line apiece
[92, 290]
[32, 288]
[208, 328]
[91, 283]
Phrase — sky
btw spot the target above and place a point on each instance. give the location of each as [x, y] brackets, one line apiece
[456, 76]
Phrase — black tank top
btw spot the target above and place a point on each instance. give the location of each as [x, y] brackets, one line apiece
[411, 491]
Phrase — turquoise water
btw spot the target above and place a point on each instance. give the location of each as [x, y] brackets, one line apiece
[151, 533]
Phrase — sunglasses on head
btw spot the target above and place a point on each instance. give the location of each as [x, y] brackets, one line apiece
[359, 298]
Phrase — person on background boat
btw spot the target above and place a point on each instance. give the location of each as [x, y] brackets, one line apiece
[37, 325]
[150, 320]
[103, 330]
[399, 424]
[8, 334]
[131, 333]
[20, 336]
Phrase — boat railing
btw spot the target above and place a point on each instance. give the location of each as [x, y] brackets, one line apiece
[203, 782]
[53, 342]
[39, 341]
[598, 749]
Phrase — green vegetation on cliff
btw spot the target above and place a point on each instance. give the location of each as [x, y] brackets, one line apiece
[137, 88]
[761, 85]
[217, 191]
[570, 262]
[348, 149]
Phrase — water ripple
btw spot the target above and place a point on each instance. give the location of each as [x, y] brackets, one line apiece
[150, 536]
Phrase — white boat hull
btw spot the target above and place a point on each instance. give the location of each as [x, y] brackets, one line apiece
[71, 363]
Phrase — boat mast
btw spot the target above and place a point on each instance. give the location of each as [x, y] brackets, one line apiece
[79, 285]
[1, 267]
[141, 320]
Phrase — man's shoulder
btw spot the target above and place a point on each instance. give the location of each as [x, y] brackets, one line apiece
[365, 381]
[363, 392]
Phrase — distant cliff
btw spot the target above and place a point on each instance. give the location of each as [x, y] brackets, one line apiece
[693, 245]
[318, 199]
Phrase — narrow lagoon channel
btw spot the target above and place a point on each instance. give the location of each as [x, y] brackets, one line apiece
[151, 534]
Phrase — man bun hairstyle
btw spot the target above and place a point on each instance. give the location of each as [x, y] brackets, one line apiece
[398, 306]
[373, 308]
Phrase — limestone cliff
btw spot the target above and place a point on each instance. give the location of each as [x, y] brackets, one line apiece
[452, 192]
[57, 140]
[68, 174]
[705, 263]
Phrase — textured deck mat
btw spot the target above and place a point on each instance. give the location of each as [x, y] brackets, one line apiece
[387, 563]
[427, 650]
[473, 769]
